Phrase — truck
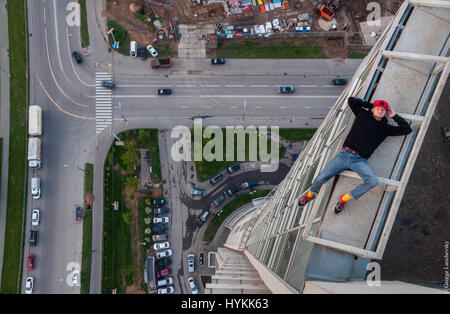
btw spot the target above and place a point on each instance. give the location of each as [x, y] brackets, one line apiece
[35, 121]
[161, 63]
[36, 188]
[248, 184]
[34, 152]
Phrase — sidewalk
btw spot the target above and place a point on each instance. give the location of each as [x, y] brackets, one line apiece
[4, 122]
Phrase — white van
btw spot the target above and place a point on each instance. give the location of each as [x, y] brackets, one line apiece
[36, 188]
[133, 49]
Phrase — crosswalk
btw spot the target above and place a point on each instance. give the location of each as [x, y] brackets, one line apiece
[103, 102]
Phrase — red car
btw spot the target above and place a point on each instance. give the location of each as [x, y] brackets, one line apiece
[163, 272]
[30, 262]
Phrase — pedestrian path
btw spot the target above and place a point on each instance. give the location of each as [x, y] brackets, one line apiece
[103, 102]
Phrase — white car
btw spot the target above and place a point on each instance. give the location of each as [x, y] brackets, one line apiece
[163, 254]
[191, 263]
[29, 285]
[164, 282]
[161, 220]
[76, 278]
[192, 284]
[166, 290]
[35, 217]
[161, 246]
[152, 51]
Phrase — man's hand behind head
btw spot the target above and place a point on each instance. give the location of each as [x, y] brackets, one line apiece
[390, 113]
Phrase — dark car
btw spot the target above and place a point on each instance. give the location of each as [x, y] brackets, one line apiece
[77, 57]
[216, 179]
[30, 262]
[163, 262]
[142, 53]
[78, 214]
[218, 200]
[159, 201]
[286, 89]
[231, 191]
[233, 168]
[218, 61]
[339, 81]
[159, 229]
[164, 91]
[161, 210]
[108, 84]
[202, 218]
[33, 238]
[294, 158]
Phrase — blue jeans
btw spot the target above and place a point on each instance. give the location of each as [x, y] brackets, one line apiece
[343, 160]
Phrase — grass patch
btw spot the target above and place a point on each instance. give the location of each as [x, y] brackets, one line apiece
[309, 49]
[148, 138]
[84, 25]
[207, 169]
[121, 35]
[218, 219]
[16, 205]
[87, 232]
[356, 55]
[164, 50]
[297, 135]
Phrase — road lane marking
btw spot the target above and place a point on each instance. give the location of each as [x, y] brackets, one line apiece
[103, 103]
[227, 96]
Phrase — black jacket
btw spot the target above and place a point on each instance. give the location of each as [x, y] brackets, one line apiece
[367, 133]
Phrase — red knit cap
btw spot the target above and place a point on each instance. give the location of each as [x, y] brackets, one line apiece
[381, 103]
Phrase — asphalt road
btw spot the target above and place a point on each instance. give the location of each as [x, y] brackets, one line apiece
[66, 92]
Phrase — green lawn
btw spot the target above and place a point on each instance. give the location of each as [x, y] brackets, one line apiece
[356, 55]
[87, 232]
[121, 35]
[310, 49]
[164, 50]
[236, 203]
[17, 177]
[84, 25]
[297, 135]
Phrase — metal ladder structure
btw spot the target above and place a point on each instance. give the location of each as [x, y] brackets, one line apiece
[408, 67]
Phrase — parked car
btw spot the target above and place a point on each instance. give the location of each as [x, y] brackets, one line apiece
[160, 201]
[159, 229]
[35, 217]
[164, 91]
[76, 278]
[286, 89]
[30, 262]
[233, 168]
[161, 210]
[339, 81]
[133, 51]
[200, 259]
[160, 237]
[164, 282]
[163, 272]
[152, 51]
[164, 254]
[218, 61]
[163, 263]
[198, 192]
[142, 53]
[33, 238]
[191, 262]
[108, 84]
[192, 284]
[29, 285]
[249, 184]
[77, 57]
[231, 191]
[161, 220]
[218, 200]
[166, 290]
[216, 179]
[202, 218]
[78, 213]
[161, 246]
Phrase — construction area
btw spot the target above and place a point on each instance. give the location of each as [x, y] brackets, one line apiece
[339, 24]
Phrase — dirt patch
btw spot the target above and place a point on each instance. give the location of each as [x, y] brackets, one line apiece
[89, 201]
